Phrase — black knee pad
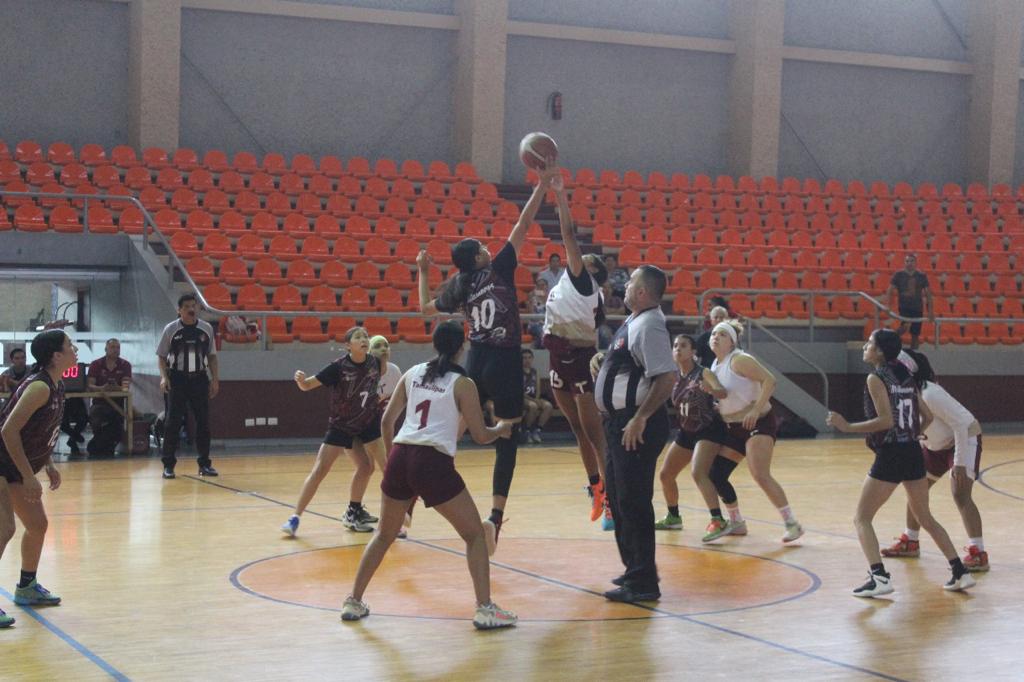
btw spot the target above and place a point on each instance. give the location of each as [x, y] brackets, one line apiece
[505, 450]
[721, 469]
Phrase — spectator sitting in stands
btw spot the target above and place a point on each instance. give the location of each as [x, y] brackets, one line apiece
[536, 303]
[16, 373]
[613, 305]
[553, 272]
[617, 277]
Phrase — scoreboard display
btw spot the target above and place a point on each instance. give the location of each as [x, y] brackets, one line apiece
[74, 377]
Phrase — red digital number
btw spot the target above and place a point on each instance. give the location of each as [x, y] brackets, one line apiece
[71, 372]
[423, 407]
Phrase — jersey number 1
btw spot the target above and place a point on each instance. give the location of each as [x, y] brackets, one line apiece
[423, 408]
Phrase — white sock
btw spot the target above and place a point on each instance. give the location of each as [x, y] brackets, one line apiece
[734, 514]
[979, 543]
[914, 535]
[787, 514]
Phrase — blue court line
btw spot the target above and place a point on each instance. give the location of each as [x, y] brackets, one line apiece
[690, 619]
[71, 641]
[997, 491]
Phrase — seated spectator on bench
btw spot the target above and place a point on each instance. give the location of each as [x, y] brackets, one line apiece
[536, 410]
[109, 373]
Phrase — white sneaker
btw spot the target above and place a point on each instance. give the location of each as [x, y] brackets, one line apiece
[354, 609]
[290, 526]
[877, 584]
[536, 437]
[737, 528]
[491, 616]
[960, 584]
[793, 531]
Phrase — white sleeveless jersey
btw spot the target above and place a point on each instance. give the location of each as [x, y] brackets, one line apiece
[741, 390]
[569, 314]
[431, 414]
[389, 382]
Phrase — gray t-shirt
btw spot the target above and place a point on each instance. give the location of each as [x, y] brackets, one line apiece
[640, 351]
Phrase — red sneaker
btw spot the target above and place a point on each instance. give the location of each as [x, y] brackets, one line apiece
[975, 560]
[596, 501]
[903, 547]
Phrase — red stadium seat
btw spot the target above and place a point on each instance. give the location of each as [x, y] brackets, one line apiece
[252, 297]
[267, 272]
[309, 330]
[65, 219]
[413, 330]
[356, 299]
[235, 272]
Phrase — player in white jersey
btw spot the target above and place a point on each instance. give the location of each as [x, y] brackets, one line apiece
[572, 315]
[952, 442]
[434, 397]
[392, 374]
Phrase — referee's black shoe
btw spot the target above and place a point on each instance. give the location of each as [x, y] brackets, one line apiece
[627, 594]
[168, 472]
[620, 581]
[207, 471]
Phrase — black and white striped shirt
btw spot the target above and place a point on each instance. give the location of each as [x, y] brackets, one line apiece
[185, 347]
[639, 352]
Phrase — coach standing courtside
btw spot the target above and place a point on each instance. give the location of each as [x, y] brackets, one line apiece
[185, 352]
[635, 380]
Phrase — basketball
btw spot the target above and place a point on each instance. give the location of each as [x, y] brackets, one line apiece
[535, 149]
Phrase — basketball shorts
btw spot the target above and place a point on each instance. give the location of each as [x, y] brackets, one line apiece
[498, 375]
[898, 462]
[735, 437]
[938, 462]
[420, 470]
[688, 440]
[570, 366]
[343, 439]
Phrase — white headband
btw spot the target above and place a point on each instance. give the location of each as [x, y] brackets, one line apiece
[730, 330]
[904, 359]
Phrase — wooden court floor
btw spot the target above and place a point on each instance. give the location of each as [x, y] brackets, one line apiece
[191, 580]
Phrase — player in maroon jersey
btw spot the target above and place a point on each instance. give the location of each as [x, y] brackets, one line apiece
[354, 428]
[485, 292]
[29, 426]
[896, 418]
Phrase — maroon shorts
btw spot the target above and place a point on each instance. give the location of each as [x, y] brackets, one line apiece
[938, 462]
[570, 366]
[420, 470]
[736, 437]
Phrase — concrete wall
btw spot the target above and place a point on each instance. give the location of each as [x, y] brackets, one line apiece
[703, 18]
[64, 71]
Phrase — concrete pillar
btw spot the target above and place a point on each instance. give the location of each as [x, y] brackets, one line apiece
[480, 85]
[756, 86]
[154, 78]
[994, 40]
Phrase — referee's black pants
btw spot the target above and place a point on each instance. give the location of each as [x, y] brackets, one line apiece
[187, 390]
[629, 481]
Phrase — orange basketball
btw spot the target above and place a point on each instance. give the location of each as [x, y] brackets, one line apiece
[535, 149]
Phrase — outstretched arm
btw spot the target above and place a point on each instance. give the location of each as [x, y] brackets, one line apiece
[532, 206]
[428, 306]
[572, 247]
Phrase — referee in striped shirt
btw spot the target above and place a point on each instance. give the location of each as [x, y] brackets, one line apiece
[635, 379]
[185, 352]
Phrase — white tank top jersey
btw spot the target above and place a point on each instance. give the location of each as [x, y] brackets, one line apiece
[389, 381]
[741, 390]
[431, 414]
[569, 314]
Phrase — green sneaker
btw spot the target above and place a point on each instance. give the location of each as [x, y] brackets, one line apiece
[5, 620]
[716, 529]
[670, 522]
[35, 594]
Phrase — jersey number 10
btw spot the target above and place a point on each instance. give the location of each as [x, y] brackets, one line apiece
[483, 314]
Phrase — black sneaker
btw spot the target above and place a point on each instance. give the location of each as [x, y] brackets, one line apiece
[207, 471]
[168, 472]
[365, 516]
[627, 594]
[620, 581]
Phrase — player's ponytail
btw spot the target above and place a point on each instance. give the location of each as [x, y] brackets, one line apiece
[448, 340]
[44, 345]
[464, 258]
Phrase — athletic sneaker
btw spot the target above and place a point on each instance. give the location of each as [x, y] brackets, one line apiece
[535, 436]
[877, 584]
[403, 533]
[975, 560]
[491, 530]
[168, 472]
[794, 531]
[291, 525]
[354, 609]
[903, 547]
[365, 516]
[352, 521]
[955, 584]
[737, 528]
[716, 529]
[5, 620]
[35, 594]
[670, 522]
[491, 616]
[607, 522]
[597, 500]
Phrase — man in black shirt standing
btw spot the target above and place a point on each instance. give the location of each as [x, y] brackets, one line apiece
[913, 292]
[185, 353]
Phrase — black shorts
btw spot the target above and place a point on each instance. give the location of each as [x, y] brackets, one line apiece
[341, 439]
[735, 437]
[688, 439]
[912, 311]
[420, 470]
[498, 375]
[8, 471]
[898, 462]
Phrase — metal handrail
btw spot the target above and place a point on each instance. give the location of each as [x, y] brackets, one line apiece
[794, 351]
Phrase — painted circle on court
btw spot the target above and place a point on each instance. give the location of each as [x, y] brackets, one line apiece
[541, 579]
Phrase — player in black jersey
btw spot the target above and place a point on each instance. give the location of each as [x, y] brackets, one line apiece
[896, 418]
[354, 428]
[484, 290]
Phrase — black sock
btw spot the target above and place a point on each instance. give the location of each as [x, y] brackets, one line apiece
[674, 511]
[496, 515]
[595, 479]
[355, 506]
[716, 513]
[956, 564]
[26, 578]
[878, 569]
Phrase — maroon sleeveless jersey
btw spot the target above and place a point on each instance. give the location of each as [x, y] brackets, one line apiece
[39, 434]
[696, 409]
[355, 400]
[491, 308]
[903, 401]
